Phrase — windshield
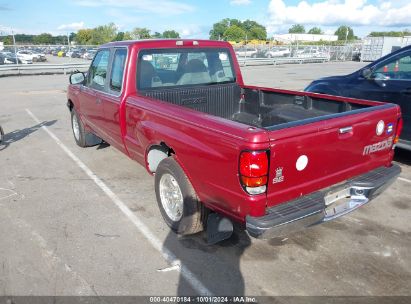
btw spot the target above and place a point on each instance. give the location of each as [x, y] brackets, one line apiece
[184, 67]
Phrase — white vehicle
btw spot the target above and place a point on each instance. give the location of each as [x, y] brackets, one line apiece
[26, 57]
[37, 56]
[246, 52]
[278, 52]
[314, 53]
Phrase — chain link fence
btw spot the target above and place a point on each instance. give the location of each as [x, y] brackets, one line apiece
[325, 52]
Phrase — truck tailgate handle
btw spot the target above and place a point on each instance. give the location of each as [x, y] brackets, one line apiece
[345, 130]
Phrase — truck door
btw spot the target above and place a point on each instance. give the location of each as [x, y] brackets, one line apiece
[96, 82]
[112, 99]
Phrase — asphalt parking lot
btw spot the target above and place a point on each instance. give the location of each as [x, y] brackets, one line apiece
[79, 221]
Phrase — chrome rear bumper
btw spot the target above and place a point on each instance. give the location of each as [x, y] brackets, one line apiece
[323, 205]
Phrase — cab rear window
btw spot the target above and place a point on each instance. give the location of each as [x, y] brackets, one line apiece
[184, 67]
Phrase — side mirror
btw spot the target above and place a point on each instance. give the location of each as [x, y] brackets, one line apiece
[77, 78]
[366, 73]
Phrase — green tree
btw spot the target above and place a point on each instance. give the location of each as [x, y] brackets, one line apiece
[119, 36]
[316, 31]
[140, 33]
[345, 33]
[403, 33]
[257, 32]
[219, 28]
[157, 35]
[103, 34]
[234, 33]
[84, 36]
[252, 29]
[297, 29]
[170, 34]
[44, 38]
[72, 36]
[61, 39]
[7, 40]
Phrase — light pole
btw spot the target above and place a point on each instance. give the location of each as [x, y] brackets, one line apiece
[15, 48]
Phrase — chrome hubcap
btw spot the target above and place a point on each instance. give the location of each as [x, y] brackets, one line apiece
[76, 128]
[171, 197]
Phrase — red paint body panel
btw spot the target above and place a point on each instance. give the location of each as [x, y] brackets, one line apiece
[208, 147]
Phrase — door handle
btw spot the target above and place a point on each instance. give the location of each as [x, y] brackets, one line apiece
[98, 100]
[345, 130]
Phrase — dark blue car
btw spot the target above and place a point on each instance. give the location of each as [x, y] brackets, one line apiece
[386, 79]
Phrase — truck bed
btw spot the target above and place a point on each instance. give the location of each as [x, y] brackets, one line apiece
[254, 107]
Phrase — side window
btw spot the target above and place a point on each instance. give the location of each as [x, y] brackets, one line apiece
[398, 68]
[97, 74]
[117, 71]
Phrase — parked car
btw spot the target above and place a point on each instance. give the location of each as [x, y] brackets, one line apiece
[75, 54]
[61, 54]
[387, 79]
[222, 150]
[10, 58]
[26, 57]
[313, 53]
[38, 56]
[246, 52]
[89, 55]
[278, 52]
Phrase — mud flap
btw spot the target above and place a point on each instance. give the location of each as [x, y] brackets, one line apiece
[92, 140]
[219, 228]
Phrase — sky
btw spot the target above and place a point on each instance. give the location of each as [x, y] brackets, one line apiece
[194, 19]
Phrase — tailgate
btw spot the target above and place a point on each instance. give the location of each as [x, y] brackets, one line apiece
[316, 155]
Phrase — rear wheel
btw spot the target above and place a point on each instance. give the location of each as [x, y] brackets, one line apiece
[177, 200]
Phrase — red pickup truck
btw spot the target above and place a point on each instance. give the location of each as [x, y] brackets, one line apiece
[273, 160]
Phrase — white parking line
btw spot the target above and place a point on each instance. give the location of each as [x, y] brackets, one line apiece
[404, 180]
[145, 231]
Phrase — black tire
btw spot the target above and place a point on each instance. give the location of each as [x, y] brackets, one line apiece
[1, 135]
[80, 138]
[85, 139]
[194, 213]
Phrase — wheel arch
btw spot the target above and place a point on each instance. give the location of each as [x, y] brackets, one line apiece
[155, 153]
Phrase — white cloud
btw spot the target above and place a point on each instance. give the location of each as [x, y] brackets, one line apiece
[191, 31]
[240, 2]
[75, 26]
[168, 7]
[337, 12]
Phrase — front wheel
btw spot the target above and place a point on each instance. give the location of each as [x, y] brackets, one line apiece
[78, 129]
[177, 200]
[82, 138]
[1, 135]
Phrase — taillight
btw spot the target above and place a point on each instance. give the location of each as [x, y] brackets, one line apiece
[398, 130]
[254, 171]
